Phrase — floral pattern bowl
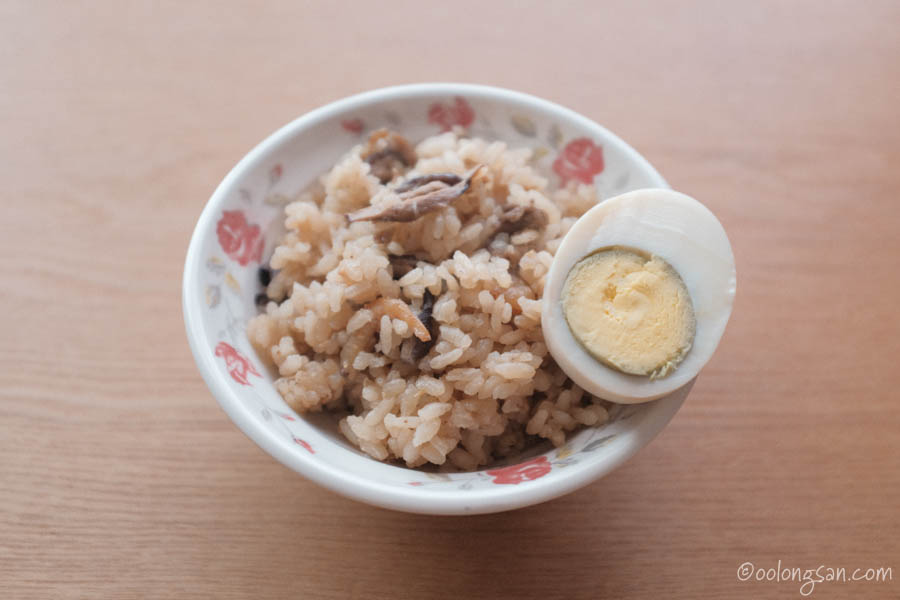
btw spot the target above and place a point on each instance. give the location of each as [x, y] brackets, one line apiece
[242, 221]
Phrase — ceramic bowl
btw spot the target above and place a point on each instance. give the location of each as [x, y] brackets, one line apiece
[241, 222]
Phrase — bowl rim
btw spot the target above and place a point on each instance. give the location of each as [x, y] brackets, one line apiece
[412, 499]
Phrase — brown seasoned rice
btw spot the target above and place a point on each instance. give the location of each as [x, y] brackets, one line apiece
[344, 328]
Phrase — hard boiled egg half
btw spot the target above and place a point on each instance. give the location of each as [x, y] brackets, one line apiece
[638, 295]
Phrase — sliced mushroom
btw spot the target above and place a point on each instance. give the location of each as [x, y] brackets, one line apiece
[418, 201]
[414, 182]
[518, 217]
[402, 264]
[421, 347]
[384, 235]
[389, 154]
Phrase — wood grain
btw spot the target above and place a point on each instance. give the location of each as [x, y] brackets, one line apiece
[120, 477]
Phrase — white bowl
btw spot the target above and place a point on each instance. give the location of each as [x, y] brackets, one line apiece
[240, 224]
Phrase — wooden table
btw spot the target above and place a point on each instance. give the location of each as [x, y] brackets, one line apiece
[119, 475]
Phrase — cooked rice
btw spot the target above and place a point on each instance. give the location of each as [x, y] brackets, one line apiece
[487, 387]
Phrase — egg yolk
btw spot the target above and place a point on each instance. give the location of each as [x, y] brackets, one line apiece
[630, 311]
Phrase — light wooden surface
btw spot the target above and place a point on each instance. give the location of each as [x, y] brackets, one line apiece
[119, 475]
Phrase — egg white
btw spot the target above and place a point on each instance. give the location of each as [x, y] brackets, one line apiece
[681, 231]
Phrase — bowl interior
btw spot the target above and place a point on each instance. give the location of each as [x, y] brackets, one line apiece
[243, 221]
